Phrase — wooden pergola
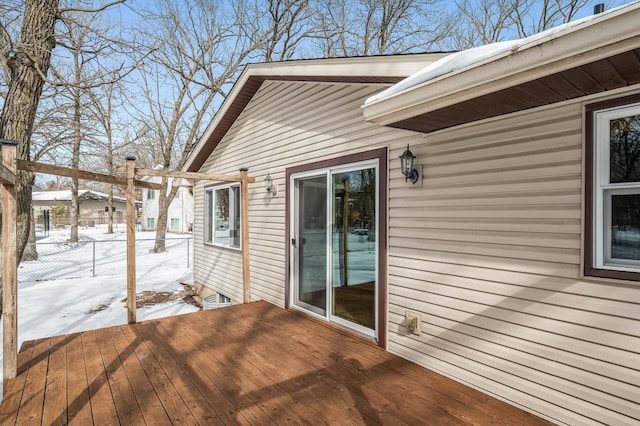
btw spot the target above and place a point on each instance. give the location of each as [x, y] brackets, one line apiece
[8, 167]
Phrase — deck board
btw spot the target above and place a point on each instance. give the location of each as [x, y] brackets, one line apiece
[149, 404]
[33, 394]
[245, 364]
[78, 399]
[55, 403]
[122, 391]
[190, 358]
[175, 407]
[103, 407]
[215, 372]
[201, 406]
[13, 389]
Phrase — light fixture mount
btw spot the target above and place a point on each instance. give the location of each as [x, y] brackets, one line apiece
[270, 186]
[406, 165]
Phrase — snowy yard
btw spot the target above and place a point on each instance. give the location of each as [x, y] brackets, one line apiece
[60, 306]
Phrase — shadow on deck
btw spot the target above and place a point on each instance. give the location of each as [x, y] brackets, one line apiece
[245, 364]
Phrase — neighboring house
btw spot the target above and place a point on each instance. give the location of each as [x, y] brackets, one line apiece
[515, 255]
[93, 207]
[180, 213]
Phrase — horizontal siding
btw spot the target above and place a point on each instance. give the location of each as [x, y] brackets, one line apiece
[528, 313]
[488, 250]
[285, 124]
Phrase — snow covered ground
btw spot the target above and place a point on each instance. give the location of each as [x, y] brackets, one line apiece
[53, 307]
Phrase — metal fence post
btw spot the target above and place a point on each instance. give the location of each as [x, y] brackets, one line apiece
[188, 256]
[94, 258]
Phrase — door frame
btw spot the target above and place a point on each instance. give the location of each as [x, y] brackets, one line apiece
[381, 155]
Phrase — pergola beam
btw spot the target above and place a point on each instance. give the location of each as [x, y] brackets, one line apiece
[186, 175]
[35, 167]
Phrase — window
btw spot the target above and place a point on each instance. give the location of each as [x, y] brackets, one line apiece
[222, 215]
[175, 224]
[612, 246]
[151, 194]
[223, 299]
[151, 223]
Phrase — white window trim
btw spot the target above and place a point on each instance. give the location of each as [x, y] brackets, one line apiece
[603, 190]
[209, 239]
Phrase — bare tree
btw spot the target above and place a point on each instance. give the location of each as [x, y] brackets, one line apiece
[26, 60]
[49, 142]
[374, 27]
[482, 22]
[202, 50]
[103, 108]
[116, 134]
[277, 28]
[552, 13]
[26, 63]
[479, 22]
[86, 64]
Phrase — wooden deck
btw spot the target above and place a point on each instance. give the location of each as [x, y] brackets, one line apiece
[246, 364]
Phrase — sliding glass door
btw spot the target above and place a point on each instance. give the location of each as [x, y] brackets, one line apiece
[335, 247]
[311, 243]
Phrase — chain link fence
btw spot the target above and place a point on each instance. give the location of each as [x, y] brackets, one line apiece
[92, 258]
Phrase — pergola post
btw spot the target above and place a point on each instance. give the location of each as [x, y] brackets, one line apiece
[244, 234]
[9, 265]
[131, 240]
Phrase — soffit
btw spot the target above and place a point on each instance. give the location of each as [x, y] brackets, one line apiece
[582, 58]
[594, 77]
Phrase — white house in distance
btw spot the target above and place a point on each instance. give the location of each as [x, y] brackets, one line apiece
[512, 264]
[92, 204]
[180, 213]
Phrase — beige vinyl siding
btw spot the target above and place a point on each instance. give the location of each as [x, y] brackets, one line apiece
[488, 250]
[285, 124]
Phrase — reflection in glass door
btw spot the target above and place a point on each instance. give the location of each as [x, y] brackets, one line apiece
[354, 246]
[311, 243]
[335, 245]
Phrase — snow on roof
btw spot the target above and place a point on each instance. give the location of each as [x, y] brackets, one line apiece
[65, 195]
[473, 57]
[51, 195]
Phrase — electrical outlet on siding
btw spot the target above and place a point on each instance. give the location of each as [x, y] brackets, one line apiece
[413, 322]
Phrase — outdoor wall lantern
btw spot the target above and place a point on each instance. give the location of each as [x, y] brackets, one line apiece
[271, 187]
[406, 163]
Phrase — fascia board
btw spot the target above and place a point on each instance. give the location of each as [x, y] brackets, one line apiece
[380, 66]
[237, 88]
[399, 66]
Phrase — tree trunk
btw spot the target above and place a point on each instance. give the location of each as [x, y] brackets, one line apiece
[30, 251]
[75, 159]
[164, 200]
[28, 63]
[73, 211]
[110, 211]
[111, 170]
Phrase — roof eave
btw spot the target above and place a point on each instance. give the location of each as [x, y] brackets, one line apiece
[383, 70]
[580, 45]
